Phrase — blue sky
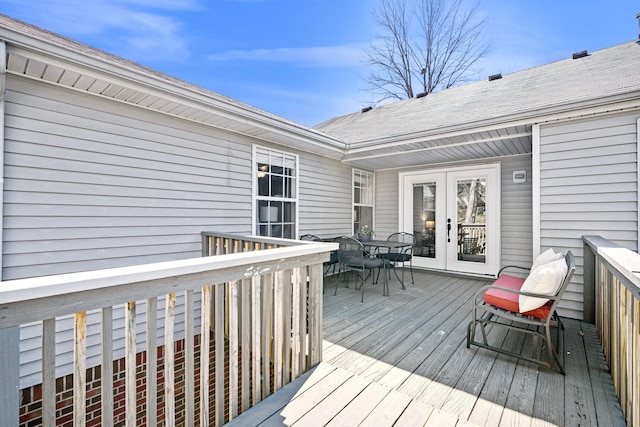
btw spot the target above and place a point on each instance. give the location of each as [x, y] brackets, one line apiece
[303, 59]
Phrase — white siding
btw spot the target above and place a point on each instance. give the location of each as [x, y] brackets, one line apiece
[386, 203]
[325, 197]
[517, 213]
[91, 183]
[588, 185]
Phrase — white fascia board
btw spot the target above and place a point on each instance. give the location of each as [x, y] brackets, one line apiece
[612, 103]
[105, 67]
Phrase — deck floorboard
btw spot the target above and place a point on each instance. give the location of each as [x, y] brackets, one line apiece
[402, 360]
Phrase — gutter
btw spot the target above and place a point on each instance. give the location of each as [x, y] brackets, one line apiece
[629, 101]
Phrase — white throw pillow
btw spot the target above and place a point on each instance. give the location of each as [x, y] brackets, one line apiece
[546, 257]
[546, 280]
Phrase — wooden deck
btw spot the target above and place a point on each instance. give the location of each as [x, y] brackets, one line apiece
[402, 360]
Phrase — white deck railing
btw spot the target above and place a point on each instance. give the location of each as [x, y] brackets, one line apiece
[612, 274]
[260, 304]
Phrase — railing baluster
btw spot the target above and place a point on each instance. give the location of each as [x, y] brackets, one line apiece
[205, 351]
[267, 327]
[233, 349]
[130, 364]
[189, 363]
[245, 312]
[278, 328]
[218, 336]
[256, 332]
[80, 369]
[106, 388]
[49, 372]
[287, 285]
[304, 316]
[315, 315]
[152, 361]
[169, 361]
[296, 322]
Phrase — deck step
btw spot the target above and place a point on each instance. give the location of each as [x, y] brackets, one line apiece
[332, 396]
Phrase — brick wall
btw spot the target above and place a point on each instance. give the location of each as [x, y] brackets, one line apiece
[31, 398]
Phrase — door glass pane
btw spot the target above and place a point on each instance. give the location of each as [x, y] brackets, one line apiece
[472, 219]
[424, 219]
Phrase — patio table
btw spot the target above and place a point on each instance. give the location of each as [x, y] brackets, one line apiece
[388, 245]
[373, 247]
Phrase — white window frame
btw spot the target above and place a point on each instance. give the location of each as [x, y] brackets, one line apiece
[257, 151]
[371, 177]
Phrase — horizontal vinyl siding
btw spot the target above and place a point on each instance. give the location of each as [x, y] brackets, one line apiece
[386, 207]
[325, 197]
[516, 213]
[93, 184]
[588, 185]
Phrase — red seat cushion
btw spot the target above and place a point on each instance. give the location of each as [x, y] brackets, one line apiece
[509, 300]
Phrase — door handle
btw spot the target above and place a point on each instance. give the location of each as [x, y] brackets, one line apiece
[448, 229]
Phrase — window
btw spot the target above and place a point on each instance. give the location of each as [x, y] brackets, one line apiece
[276, 193]
[362, 199]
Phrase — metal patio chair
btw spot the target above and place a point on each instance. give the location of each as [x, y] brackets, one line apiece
[401, 255]
[353, 257]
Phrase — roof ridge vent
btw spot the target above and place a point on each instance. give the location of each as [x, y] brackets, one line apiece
[493, 77]
[421, 95]
[580, 54]
[365, 109]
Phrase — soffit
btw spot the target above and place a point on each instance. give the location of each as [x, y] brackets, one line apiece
[484, 144]
[142, 88]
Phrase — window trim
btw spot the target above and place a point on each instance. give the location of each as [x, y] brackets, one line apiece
[373, 197]
[254, 188]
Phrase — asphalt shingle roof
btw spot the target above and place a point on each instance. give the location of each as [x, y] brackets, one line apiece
[549, 88]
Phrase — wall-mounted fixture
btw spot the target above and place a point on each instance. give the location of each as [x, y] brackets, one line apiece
[365, 109]
[493, 77]
[519, 177]
[421, 95]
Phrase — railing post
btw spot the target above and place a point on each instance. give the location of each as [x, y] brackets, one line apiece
[589, 287]
[10, 362]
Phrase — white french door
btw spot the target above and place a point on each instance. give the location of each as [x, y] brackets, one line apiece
[455, 216]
